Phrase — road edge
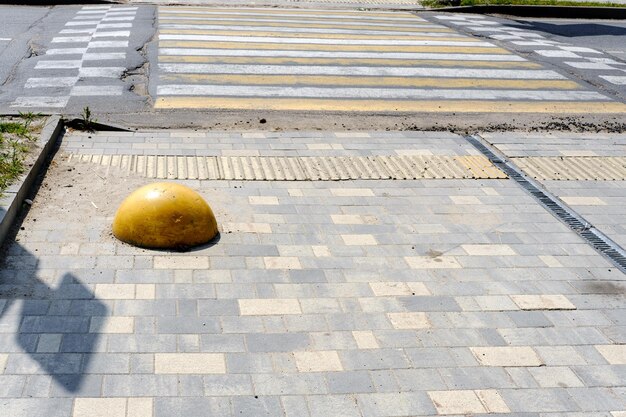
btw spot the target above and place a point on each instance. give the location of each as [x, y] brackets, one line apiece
[561, 12]
[14, 196]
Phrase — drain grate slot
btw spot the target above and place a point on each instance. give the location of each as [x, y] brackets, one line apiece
[594, 237]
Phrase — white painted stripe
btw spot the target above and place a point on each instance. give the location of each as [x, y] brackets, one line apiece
[264, 39]
[108, 44]
[66, 51]
[555, 53]
[112, 34]
[82, 18]
[5, 39]
[104, 56]
[470, 22]
[75, 31]
[287, 10]
[531, 43]
[58, 64]
[458, 17]
[118, 19]
[117, 12]
[361, 71]
[253, 29]
[71, 39]
[51, 82]
[114, 25]
[309, 22]
[373, 93]
[580, 49]
[91, 12]
[40, 101]
[105, 72]
[615, 79]
[97, 90]
[505, 37]
[235, 12]
[324, 54]
[88, 23]
[124, 9]
[95, 7]
[589, 65]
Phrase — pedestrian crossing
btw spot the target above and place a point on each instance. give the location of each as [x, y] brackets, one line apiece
[85, 59]
[341, 60]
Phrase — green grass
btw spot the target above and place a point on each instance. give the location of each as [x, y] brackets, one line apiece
[16, 140]
[445, 3]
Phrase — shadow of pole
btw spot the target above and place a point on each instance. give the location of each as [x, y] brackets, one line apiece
[58, 327]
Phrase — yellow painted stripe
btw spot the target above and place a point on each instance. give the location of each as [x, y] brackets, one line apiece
[460, 106]
[234, 16]
[346, 62]
[295, 12]
[370, 81]
[388, 29]
[315, 35]
[321, 47]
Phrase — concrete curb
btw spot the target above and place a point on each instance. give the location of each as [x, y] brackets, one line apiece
[11, 202]
[562, 12]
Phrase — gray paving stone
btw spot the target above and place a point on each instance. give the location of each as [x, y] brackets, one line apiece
[192, 407]
[277, 342]
[256, 406]
[395, 404]
[349, 382]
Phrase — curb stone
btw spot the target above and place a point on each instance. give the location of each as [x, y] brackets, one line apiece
[562, 12]
[11, 201]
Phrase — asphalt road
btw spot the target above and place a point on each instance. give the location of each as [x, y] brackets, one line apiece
[310, 68]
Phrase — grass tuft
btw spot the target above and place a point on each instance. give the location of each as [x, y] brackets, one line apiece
[16, 139]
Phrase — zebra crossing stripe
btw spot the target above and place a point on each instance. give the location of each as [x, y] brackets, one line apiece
[360, 71]
[330, 54]
[346, 61]
[88, 31]
[418, 106]
[324, 60]
[375, 93]
[234, 79]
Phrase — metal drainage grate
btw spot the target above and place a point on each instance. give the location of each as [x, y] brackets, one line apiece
[598, 240]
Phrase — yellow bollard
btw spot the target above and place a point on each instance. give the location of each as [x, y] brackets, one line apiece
[164, 215]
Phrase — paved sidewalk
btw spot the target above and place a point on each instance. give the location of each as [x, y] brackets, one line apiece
[321, 298]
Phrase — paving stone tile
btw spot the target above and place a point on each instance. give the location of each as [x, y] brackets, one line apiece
[543, 302]
[191, 406]
[614, 354]
[365, 339]
[427, 262]
[318, 361]
[488, 250]
[555, 376]
[258, 307]
[277, 342]
[506, 356]
[181, 262]
[359, 240]
[277, 262]
[409, 320]
[227, 385]
[335, 405]
[189, 363]
[349, 382]
[456, 402]
[395, 404]
[99, 407]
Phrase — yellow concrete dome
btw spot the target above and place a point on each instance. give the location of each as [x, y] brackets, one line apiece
[164, 215]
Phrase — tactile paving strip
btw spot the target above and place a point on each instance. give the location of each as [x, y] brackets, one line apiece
[574, 168]
[256, 168]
